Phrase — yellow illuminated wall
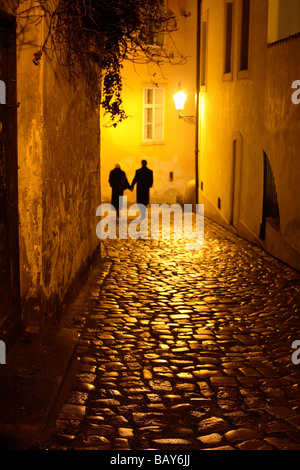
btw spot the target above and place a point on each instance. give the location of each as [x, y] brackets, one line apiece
[246, 113]
[283, 22]
[173, 159]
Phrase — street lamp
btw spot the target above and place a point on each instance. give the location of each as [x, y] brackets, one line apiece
[179, 99]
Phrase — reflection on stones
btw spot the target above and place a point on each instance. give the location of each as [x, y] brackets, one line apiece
[186, 350]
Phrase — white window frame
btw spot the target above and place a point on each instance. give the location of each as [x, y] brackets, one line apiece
[154, 106]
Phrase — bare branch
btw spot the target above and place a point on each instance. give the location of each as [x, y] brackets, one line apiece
[94, 37]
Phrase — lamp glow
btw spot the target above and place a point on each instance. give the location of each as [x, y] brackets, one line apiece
[179, 99]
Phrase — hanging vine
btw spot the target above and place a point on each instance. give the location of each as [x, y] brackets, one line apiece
[94, 37]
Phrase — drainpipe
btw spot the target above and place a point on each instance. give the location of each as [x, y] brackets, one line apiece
[198, 39]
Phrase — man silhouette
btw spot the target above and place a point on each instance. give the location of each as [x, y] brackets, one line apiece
[118, 182]
[144, 181]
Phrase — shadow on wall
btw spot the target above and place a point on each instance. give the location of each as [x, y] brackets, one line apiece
[173, 196]
[169, 196]
[189, 196]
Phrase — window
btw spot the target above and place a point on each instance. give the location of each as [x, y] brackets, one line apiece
[228, 36]
[155, 36]
[153, 114]
[270, 203]
[245, 31]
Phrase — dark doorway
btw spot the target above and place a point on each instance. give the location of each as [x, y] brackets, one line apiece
[236, 179]
[270, 204]
[9, 254]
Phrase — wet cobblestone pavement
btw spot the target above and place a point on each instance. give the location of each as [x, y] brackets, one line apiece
[186, 350]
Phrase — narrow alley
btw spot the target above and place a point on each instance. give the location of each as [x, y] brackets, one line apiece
[185, 350]
[132, 343]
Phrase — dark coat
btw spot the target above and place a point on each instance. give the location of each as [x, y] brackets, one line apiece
[144, 181]
[118, 182]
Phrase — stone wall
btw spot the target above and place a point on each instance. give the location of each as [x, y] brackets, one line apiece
[282, 132]
[59, 188]
[245, 115]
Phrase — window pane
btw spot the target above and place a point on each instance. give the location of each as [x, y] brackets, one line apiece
[245, 34]
[160, 38]
[148, 95]
[228, 37]
[158, 115]
[158, 124]
[159, 95]
[158, 132]
[150, 38]
[148, 115]
[148, 131]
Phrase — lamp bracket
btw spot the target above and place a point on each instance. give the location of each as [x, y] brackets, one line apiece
[190, 118]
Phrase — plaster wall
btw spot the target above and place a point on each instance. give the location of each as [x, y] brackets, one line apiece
[58, 177]
[232, 107]
[255, 108]
[282, 133]
[30, 182]
[176, 153]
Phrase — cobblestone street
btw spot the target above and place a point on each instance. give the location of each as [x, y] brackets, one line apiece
[185, 350]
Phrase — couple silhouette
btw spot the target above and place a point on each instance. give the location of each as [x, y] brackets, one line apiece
[119, 183]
